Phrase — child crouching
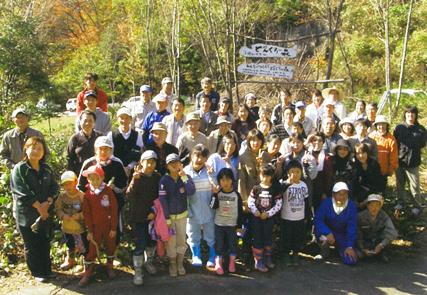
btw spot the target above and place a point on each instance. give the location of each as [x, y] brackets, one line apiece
[69, 206]
[264, 201]
[101, 216]
[228, 215]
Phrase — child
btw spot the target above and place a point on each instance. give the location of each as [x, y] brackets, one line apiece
[142, 191]
[264, 202]
[200, 215]
[375, 229]
[293, 213]
[174, 189]
[228, 215]
[101, 217]
[69, 210]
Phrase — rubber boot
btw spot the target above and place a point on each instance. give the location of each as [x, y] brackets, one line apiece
[173, 271]
[211, 260]
[268, 261]
[149, 261]
[84, 281]
[259, 261]
[196, 260]
[69, 262]
[232, 264]
[110, 269]
[138, 278]
[218, 266]
[180, 262]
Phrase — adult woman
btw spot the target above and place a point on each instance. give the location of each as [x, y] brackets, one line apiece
[347, 128]
[388, 157]
[368, 173]
[243, 123]
[226, 157]
[34, 190]
[81, 144]
[411, 138]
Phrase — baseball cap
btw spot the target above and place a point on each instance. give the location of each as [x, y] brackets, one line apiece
[222, 119]
[18, 111]
[192, 117]
[160, 97]
[300, 104]
[90, 93]
[68, 176]
[124, 111]
[167, 80]
[172, 158]
[159, 126]
[95, 169]
[147, 155]
[374, 197]
[146, 88]
[340, 186]
[103, 141]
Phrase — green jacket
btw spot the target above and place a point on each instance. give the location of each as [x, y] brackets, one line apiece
[29, 186]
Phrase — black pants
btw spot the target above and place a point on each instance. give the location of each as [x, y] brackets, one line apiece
[142, 237]
[37, 251]
[223, 235]
[292, 235]
[262, 231]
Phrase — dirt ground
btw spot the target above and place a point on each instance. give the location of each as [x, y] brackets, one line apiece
[406, 273]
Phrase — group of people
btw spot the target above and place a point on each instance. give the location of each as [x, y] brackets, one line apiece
[305, 166]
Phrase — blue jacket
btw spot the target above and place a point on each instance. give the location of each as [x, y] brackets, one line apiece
[149, 121]
[199, 210]
[173, 195]
[342, 226]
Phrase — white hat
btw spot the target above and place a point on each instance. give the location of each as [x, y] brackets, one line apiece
[68, 176]
[329, 101]
[160, 97]
[381, 119]
[125, 111]
[167, 80]
[172, 158]
[340, 186]
[18, 111]
[250, 95]
[147, 155]
[375, 197]
[325, 92]
[103, 141]
[222, 119]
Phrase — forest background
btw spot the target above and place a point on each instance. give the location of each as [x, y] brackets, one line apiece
[47, 46]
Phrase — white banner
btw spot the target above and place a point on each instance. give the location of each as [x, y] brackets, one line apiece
[264, 50]
[268, 70]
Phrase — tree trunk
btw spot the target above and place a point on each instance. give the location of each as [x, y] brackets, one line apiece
[402, 64]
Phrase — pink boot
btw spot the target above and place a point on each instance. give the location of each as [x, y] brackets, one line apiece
[218, 266]
[232, 264]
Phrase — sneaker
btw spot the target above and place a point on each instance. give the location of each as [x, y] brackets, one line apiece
[40, 279]
[318, 257]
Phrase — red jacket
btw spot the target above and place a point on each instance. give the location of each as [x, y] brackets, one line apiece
[102, 102]
[100, 211]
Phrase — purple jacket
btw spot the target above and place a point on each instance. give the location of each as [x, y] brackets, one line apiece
[173, 195]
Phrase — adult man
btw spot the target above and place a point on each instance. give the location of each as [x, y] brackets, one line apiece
[285, 98]
[103, 122]
[190, 138]
[331, 137]
[14, 139]
[336, 95]
[143, 107]
[167, 90]
[215, 137]
[160, 146]
[328, 112]
[157, 115]
[90, 84]
[207, 116]
[208, 91]
[127, 142]
[335, 224]
[300, 116]
[371, 114]
[175, 121]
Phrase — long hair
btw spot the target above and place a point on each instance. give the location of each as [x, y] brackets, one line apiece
[32, 141]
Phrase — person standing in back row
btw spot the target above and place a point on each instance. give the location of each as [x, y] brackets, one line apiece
[90, 81]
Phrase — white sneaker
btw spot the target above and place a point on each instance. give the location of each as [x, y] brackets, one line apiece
[40, 279]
